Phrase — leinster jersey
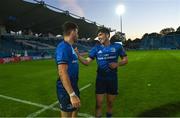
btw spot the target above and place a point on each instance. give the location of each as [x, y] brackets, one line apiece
[65, 54]
[105, 55]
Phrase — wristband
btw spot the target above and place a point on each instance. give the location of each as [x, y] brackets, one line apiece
[72, 94]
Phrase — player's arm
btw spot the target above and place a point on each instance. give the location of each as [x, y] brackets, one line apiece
[122, 62]
[63, 74]
[83, 60]
[62, 71]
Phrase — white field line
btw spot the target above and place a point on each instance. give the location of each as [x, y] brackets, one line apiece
[26, 102]
[51, 106]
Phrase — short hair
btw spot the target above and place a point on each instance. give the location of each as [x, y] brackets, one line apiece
[68, 27]
[104, 30]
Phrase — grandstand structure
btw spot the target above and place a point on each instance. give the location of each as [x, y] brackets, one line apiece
[160, 42]
[155, 41]
[11, 45]
[35, 29]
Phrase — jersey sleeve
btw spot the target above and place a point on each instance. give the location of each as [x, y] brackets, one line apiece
[62, 55]
[93, 53]
[121, 52]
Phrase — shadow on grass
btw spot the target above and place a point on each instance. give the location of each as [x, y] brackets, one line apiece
[167, 110]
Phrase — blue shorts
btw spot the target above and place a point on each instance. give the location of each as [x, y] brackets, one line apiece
[64, 99]
[107, 84]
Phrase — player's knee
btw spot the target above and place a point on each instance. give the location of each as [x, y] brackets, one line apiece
[109, 104]
[99, 105]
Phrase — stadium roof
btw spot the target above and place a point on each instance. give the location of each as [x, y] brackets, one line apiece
[18, 15]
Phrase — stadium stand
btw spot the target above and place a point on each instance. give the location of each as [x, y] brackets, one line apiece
[162, 42]
[40, 18]
[34, 29]
[35, 46]
[154, 41]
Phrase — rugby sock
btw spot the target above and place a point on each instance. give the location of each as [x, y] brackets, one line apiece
[108, 115]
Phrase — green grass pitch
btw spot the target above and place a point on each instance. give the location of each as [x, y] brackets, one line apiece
[148, 86]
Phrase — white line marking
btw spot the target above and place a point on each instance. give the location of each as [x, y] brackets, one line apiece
[55, 103]
[42, 110]
[86, 86]
[27, 102]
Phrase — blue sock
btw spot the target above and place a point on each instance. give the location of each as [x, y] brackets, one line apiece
[108, 115]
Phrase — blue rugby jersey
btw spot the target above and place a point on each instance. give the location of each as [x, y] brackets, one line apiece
[66, 54]
[105, 55]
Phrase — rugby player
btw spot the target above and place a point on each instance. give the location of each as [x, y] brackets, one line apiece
[107, 55]
[67, 64]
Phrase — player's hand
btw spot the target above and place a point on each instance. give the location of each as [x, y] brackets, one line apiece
[75, 101]
[113, 65]
[76, 50]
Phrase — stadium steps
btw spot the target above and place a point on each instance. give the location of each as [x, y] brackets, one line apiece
[36, 44]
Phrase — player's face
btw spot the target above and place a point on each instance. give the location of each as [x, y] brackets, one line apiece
[103, 37]
[74, 35]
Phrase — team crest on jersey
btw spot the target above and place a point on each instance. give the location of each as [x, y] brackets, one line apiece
[99, 52]
[113, 50]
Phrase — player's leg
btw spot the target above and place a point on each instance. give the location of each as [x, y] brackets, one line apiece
[110, 100]
[100, 92]
[66, 114]
[99, 103]
[112, 91]
[74, 114]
